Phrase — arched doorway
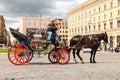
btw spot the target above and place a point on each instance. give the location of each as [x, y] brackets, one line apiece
[118, 40]
[111, 41]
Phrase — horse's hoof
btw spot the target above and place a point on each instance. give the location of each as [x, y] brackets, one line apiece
[76, 62]
[82, 62]
[91, 62]
[94, 61]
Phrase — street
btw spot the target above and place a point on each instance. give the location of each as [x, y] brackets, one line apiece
[106, 68]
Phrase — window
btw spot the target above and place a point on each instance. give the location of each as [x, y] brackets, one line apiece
[118, 2]
[111, 14]
[111, 25]
[75, 31]
[94, 11]
[104, 26]
[111, 4]
[89, 28]
[59, 23]
[104, 16]
[105, 7]
[99, 17]
[99, 9]
[78, 17]
[40, 23]
[94, 19]
[86, 29]
[82, 15]
[98, 27]
[111, 41]
[78, 30]
[118, 40]
[74, 19]
[85, 14]
[118, 12]
[94, 28]
[29, 23]
[34, 23]
[118, 23]
[82, 30]
[69, 32]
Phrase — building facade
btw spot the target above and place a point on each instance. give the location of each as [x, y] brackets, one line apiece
[96, 16]
[4, 34]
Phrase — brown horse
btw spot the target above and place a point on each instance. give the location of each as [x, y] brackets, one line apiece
[87, 41]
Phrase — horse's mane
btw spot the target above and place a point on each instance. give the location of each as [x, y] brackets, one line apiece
[99, 35]
[94, 34]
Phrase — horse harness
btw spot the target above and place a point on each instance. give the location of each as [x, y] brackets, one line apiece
[94, 39]
[89, 40]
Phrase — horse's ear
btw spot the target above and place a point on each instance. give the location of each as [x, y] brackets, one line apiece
[105, 32]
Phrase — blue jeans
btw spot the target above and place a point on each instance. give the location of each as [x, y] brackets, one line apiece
[50, 35]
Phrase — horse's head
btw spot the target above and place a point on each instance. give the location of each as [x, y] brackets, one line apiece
[105, 37]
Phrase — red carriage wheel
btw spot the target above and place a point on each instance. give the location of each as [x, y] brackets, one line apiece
[52, 56]
[31, 56]
[11, 55]
[22, 54]
[63, 56]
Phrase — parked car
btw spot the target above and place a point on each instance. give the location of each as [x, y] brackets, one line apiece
[86, 50]
[117, 49]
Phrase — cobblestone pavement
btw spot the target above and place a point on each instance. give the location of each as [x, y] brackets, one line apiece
[106, 68]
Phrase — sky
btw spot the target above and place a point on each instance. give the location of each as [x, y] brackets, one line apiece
[12, 10]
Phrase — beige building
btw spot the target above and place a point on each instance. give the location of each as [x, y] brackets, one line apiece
[62, 28]
[27, 23]
[96, 16]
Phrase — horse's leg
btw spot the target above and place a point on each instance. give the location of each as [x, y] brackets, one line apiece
[94, 53]
[77, 53]
[74, 55]
[91, 56]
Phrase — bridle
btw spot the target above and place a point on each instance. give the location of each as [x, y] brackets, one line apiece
[105, 38]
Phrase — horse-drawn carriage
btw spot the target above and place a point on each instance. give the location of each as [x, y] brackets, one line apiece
[23, 52]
